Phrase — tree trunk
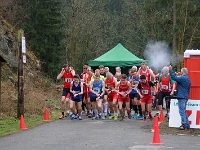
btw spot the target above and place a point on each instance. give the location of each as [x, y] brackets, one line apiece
[174, 43]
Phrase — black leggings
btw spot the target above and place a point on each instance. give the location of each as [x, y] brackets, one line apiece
[161, 95]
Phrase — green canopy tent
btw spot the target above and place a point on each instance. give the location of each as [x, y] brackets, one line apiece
[117, 56]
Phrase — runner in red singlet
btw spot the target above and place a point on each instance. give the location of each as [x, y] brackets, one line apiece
[81, 76]
[167, 86]
[86, 88]
[144, 90]
[144, 70]
[111, 83]
[148, 73]
[67, 73]
[123, 89]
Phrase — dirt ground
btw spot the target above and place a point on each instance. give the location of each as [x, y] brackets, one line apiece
[165, 129]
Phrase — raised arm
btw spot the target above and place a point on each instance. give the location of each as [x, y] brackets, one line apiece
[72, 71]
[60, 75]
[174, 77]
[152, 74]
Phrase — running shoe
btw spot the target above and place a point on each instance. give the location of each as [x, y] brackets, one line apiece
[61, 117]
[79, 118]
[103, 118]
[72, 116]
[145, 119]
[150, 117]
[140, 117]
[100, 116]
[157, 114]
[110, 117]
[166, 115]
[76, 116]
[147, 115]
[95, 118]
[121, 118]
[89, 115]
[115, 117]
[67, 114]
[183, 128]
[82, 112]
[129, 116]
[135, 115]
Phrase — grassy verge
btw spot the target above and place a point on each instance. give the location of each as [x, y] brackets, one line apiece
[165, 129]
[11, 125]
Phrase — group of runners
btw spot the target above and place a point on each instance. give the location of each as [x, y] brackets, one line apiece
[103, 95]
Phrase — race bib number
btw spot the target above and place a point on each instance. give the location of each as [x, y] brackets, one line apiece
[97, 90]
[68, 80]
[136, 82]
[76, 92]
[164, 87]
[145, 91]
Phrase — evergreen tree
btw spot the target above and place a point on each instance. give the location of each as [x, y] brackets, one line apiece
[45, 34]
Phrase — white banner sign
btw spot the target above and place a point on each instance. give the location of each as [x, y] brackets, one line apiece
[193, 112]
[23, 45]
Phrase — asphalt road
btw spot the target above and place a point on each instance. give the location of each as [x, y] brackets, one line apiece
[95, 135]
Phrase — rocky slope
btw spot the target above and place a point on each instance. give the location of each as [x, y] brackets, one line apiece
[37, 88]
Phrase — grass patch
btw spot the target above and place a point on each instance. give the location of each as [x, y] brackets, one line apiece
[165, 129]
[11, 125]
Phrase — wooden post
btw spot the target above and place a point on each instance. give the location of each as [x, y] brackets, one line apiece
[174, 43]
[1, 60]
[0, 89]
[20, 104]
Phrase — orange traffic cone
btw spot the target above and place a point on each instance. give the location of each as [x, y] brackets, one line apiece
[154, 123]
[156, 136]
[162, 119]
[46, 115]
[22, 123]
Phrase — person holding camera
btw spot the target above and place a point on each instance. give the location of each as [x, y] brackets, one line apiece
[183, 90]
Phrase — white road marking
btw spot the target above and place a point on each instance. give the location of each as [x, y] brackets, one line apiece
[146, 147]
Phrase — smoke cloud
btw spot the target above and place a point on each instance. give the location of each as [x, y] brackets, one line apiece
[159, 55]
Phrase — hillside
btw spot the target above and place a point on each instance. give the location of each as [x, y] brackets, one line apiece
[38, 90]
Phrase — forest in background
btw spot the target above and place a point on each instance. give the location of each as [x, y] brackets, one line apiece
[75, 31]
